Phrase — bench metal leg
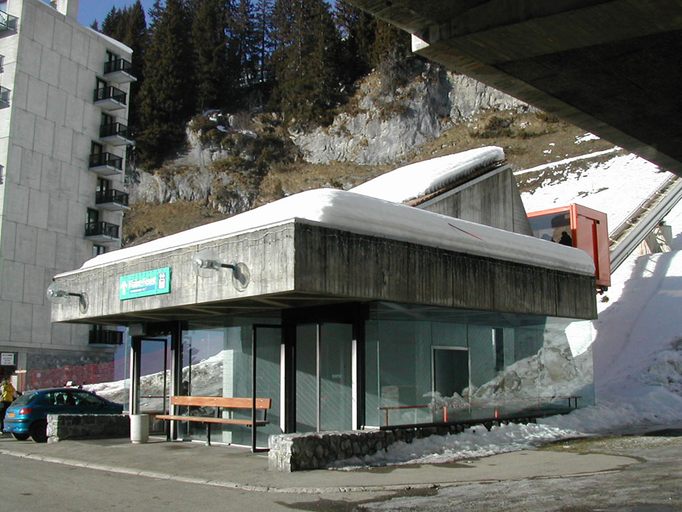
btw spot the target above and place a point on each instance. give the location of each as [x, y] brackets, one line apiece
[208, 434]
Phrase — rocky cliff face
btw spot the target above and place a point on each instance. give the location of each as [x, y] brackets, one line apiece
[379, 127]
[388, 126]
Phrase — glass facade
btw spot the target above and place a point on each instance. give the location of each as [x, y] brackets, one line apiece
[217, 361]
[426, 364]
[419, 365]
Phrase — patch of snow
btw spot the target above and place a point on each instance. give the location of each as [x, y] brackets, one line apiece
[422, 178]
[586, 138]
[606, 187]
[565, 161]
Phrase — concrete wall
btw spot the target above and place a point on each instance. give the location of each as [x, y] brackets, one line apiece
[61, 427]
[50, 65]
[268, 253]
[492, 199]
[296, 260]
[333, 263]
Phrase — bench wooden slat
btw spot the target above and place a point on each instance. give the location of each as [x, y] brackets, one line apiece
[210, 419]
[219, 401]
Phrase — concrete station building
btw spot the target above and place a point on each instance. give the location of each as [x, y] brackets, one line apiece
[358, 309]
[63, 112]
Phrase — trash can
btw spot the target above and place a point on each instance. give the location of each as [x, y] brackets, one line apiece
[139, 428]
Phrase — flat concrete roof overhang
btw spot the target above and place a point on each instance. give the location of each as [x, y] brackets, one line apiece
[610, 67]
[298, 263]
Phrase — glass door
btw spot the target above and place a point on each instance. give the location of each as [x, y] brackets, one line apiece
[154, 375]
[324, 377]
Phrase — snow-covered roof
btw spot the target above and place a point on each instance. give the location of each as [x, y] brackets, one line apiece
[360, 214]
[422, 178]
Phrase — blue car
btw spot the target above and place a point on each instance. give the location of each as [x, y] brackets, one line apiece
[27, 416]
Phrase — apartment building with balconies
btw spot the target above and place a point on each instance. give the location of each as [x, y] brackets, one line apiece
[64, 96]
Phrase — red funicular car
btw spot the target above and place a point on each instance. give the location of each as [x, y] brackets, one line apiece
[581, 227]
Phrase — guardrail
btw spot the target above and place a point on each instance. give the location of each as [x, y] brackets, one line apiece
[644, 218]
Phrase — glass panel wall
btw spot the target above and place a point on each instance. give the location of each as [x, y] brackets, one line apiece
[217, 361]
[324, 400]
[428, 364]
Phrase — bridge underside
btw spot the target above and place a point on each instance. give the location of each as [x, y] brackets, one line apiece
[610, 67]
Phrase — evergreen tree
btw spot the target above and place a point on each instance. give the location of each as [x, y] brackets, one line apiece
[167, 96]
[113, 24]
[264, 44]
[306, 61]
[209, 41]
[357, 40]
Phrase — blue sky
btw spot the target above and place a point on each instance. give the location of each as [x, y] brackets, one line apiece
[91, 10]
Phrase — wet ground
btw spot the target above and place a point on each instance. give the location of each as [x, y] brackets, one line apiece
[652, 484]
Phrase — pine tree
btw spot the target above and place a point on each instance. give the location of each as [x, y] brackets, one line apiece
[167, 96]
[210, 54]
[357, 40]
[113, 24]
[306, 61]
[264, 44]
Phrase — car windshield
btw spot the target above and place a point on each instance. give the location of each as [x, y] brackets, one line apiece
[25, 398]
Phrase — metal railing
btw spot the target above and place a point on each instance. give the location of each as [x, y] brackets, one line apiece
[111, 196]
[110, 93]
[634, 229]
[101, 228]
[108, 130]
[108, 159]
[7, 22]
[119, 64]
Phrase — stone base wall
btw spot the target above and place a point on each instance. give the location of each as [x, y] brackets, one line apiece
[298, 452]
[86, 426]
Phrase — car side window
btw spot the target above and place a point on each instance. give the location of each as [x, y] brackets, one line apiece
[86, 399]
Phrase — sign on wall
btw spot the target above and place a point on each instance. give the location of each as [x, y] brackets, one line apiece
[8, 359]
[145, 284]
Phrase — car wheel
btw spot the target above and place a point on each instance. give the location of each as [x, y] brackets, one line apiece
[20, 437]
[39, 431]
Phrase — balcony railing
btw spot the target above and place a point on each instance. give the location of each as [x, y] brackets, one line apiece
[110, 98]
[115, 133]
[104, 337]
[7, 22]
[106, 164]
[112, 199]
[119, 71]
[4, 97]
[101, 231]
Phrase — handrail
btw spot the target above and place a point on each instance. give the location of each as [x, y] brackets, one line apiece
[643, 219]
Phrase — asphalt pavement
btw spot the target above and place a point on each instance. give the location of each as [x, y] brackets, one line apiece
[238, 468]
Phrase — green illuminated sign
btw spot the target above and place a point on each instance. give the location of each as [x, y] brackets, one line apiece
[144, 284]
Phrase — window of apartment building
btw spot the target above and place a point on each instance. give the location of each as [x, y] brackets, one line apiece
[98, 249]
[107, 119]
[92, 216]
[103, 185]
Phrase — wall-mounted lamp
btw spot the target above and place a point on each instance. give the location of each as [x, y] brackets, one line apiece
[206, 263]
[56, 294]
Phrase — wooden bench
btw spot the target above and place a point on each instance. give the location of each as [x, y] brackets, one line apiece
[219, 404]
